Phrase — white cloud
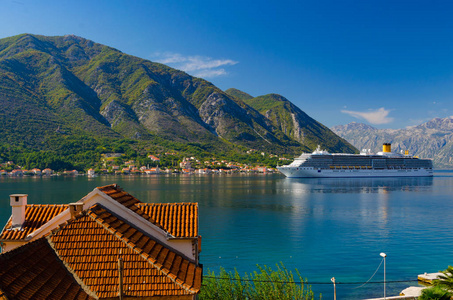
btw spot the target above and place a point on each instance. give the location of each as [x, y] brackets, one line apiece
[378, 116]
[200, 66]
[169, 58]
[210, 73]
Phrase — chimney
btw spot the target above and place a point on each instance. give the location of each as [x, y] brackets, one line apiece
[75, 209]
[18, 203]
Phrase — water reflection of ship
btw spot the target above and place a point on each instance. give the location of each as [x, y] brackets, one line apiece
[360, 185]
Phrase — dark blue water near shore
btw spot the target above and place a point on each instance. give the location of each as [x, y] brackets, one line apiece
[323, 227]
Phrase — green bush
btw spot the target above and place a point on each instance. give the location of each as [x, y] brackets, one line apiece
[264, 284]
[435, 293]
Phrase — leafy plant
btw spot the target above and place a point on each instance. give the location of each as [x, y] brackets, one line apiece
[263, 284]
[446, 279]
[435, 293]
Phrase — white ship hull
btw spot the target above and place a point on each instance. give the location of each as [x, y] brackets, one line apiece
[300, 172]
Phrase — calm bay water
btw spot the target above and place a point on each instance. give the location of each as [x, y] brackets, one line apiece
[323, 227]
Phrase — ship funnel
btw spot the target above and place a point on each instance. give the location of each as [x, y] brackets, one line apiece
[387, 147]
[406, 152]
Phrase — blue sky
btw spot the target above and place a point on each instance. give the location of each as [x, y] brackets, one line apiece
[385, 63]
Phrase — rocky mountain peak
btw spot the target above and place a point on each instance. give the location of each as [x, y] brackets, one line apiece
[432, 139]
[439, 124]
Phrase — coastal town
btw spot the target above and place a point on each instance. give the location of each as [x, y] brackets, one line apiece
[114, 164]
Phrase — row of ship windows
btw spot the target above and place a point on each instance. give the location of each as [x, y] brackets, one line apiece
[362, 168]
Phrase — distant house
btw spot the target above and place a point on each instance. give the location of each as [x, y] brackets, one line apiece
[185, 164]
[261, 169]
[91, 173]
[36, 171]
[187, 171]
[27, 172]
[47, 172]
[135, 171]
[79, 250]
[203, 171]
[16, 172]
[153, 158]
[231, 166]
[71, 173]
[129, 162]
[155, 170]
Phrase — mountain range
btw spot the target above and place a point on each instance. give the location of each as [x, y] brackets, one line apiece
[52, 88]
[432, 139]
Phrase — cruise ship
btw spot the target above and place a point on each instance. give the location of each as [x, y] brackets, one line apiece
[321, 163]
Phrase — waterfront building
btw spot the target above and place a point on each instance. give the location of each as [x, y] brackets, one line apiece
[71, 173]
[187, 171]
[17, 172]
[155, 170]
[36, 172]
[107, 243]
[203, 171]
[47, 172]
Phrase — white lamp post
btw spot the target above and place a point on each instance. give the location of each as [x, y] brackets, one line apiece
[334, 289]
[384, 256]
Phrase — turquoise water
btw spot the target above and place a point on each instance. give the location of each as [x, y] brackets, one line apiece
[323, 227]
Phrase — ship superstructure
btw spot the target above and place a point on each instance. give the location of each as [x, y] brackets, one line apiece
[321, 163]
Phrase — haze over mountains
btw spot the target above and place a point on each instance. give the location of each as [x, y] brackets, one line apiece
[54, 87]
[433, 139]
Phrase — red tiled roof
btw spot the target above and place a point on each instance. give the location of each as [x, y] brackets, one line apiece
[129, 201]
[92, 243]
[178, 219]
[34, 271]
[35, 217]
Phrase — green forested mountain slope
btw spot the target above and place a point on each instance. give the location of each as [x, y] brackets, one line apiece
[296, 124]
[67, 87]
[238, 94]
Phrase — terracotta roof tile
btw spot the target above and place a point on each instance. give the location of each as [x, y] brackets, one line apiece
[178, 219]
[90, 245]
[35, 217]
[102, 238]
[34, 271]
[129, 201]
